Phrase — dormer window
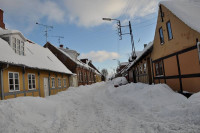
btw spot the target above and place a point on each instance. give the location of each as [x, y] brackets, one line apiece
[18, 46]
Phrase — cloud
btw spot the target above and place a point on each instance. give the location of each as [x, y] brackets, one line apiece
[89, 13]
[100, 56]
[27, 12]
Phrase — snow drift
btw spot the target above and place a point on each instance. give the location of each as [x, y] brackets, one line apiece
[102, 108]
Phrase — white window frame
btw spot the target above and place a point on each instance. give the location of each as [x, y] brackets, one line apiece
[14, 44]
[59, 82]
[64, 82]
[31, 74]
[13, 81]
[53, 83]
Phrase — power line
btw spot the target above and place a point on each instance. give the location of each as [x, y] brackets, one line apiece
[145, 25]
[142, 22]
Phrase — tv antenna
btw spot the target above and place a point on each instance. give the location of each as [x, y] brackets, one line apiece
[59, 37]
[47, 28]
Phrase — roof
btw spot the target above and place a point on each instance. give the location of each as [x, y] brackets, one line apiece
[186, 10]
[36, 57]
[141, 54]
[8, 32]
[77, 61]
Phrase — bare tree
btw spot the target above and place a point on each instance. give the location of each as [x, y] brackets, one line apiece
[104, 72]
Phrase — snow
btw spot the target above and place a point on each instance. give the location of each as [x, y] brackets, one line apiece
[120, 81]
[36, 57]
[185, 10]
[102, 108]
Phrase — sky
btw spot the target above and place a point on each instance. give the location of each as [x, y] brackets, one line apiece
[80, 23]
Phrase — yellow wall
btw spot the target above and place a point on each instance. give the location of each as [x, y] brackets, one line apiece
[98, 78]
[183, 36]
[34, 92]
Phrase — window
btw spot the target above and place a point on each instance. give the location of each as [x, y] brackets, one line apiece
[169, 30]
[159, 68]
[14, 44]
[161, 36]
[145, 67]
[13, 81]
[18, 46]
[31, 81]
[65, 82]
[53, 82]
[59, 82]
[22, 48]
[140, 69]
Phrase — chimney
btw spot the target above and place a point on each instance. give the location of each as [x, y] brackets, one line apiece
[61, 46]
[145, 45]
[2, 25]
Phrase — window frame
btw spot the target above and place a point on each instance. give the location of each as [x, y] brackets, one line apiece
[161, 41]
[32, 74]
[64, 82]
[168, 22]
[53, 85]
[59, 82]
[145, 67]
[140, 70]
[13, 81]
[159, 72]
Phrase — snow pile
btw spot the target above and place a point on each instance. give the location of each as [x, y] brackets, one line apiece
[102, 108]
[120, 81]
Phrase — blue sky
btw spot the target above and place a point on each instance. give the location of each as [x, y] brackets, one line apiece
[80, 23]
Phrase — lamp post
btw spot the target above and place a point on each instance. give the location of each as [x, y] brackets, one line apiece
[133, 56]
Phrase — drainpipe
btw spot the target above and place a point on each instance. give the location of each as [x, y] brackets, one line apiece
[2, 90]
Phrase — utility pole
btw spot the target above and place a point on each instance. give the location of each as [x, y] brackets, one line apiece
[47, 27]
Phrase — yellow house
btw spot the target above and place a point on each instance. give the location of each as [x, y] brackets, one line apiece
[176, 48]
[28, 69]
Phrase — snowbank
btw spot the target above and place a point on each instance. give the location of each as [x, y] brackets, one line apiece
[102, 108]
[119, 81]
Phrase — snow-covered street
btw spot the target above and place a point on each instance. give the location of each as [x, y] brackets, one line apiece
[101, 108]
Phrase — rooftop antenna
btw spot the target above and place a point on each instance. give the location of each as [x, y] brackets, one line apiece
[59, 37]
[47, 28]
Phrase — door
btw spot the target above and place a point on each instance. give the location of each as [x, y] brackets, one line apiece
[46, 87]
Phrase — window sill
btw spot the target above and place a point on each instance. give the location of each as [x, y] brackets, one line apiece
[14, 90]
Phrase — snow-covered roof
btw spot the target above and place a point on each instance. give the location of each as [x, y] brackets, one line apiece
[36, 57]
[123, 63]
[8, 32]
[77, 61]
[186, 10]
[149, 46]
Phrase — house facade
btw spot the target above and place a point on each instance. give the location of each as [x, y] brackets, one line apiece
[84, 71]
[27, 69]
[140, 69]
[176, 55]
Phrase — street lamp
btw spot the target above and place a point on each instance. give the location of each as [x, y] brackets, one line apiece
[133, 56]
[118, 26]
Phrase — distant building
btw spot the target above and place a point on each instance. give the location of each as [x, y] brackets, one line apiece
[27, 69]
[85, 73]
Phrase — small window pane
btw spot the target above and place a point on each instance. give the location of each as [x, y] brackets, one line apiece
[11, 81]
[33, 76]
[16, 81]
[10, 75]
[11, 87]
[161, 35]
[34, 86]
[16, 75]
[16, 87]
[169, 30]
[29, 77]
[30, 87]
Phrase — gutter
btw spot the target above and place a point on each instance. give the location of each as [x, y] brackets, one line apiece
[2, 90]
